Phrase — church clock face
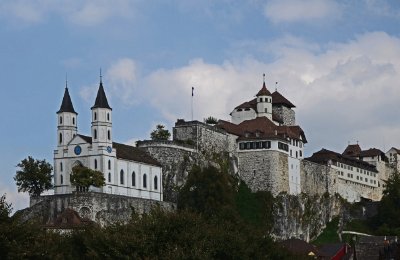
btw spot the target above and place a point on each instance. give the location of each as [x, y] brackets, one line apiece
[77, 150]
[109, 149]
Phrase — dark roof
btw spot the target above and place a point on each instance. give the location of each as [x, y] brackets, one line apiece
[278, 99]
[128, 152]
[262, 128]
[263, 91]
[299, 247]
[371, 152]
[101, 99]
[66, 104]
[397, 150]
[69, 219]
[330, 250]
[352, 150]
[324, 155]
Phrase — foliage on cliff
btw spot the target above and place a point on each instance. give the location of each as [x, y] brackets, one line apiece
[160, 133]
[33, 176]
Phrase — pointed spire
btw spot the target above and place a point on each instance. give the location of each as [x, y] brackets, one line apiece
[263, 91]
[66, 105]
[101, 99]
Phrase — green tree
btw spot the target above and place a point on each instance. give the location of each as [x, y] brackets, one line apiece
[160, 133]
[84, 177]
[211, 120]
[34, 176]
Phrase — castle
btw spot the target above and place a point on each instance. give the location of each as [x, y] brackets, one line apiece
[127, 170]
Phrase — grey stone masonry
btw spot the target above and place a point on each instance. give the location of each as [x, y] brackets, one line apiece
[286, 115]
[264, 171]
[102, 208]
[316, 179]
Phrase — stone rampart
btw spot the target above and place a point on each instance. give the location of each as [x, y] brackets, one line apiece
[286, 115]
[317, 179]
[102, 208]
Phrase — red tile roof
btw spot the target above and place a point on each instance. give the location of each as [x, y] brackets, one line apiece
[353, 150]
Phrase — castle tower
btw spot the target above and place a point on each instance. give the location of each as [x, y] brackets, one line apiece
[67, 121]
[264, 103]
[101, 119]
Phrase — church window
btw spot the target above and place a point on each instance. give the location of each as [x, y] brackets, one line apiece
[95, 164]
[109, 135]
[296, 154]
[108, 116]
[144, 180]
[73, 120]
[133, 178]
[95, 134]
[61, 179]
[61, 167]
[155, 183]
[60, 138]
[109, 164]
[109, 177]
[60, 120]
[121, 177]
[95, 116]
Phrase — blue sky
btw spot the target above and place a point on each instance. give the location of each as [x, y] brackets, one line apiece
[337, 61]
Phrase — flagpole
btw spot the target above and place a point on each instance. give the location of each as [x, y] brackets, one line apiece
[192, 103]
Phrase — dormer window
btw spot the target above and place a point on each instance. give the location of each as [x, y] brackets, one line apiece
[247, 109]
[239, 109]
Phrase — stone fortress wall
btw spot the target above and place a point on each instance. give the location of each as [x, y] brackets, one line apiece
[286, 115]
[317, 179]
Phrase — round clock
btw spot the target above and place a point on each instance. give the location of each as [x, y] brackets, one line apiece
[77, 150]
[109, 149]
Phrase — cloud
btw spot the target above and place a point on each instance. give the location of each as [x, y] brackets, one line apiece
[82, 13]
[287, 11]
[18, 200]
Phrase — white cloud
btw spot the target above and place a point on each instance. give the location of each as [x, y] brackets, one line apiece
[18, 200]
[287, 11]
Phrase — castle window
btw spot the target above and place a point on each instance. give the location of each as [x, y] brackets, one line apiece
[109, 164]
[296, 154]
[95, 134]
[60, 138]
[95, 116]
[61, 179]
[239, 109]
[121, 177]
[95, 164]
[241, 146]
[266, 110]
[155, 183]
[61, 167]
[133, 178]
[247, 109]
[301, 153]
[60, 120]
[283, 146]
[108, 134]
[109, 177]
[108, 116]
[291, 152]
[144, 180]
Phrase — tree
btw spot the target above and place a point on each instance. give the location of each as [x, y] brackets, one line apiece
[211, 120]
[84, 177]
[34, 176]
[160, 133]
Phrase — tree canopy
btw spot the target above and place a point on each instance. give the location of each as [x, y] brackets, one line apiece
[34, 176]
[84, 177]
[160, 133]
[211, 120]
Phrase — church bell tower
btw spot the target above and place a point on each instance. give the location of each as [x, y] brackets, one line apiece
[67, 121]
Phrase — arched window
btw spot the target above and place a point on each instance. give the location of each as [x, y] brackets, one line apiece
[109, 135]
[61, 167]
[109, 164]
[95, 116]
[109, 177]
[108, 116]
[144, 180]
[61, 179]
[133, 179]
[95, 164]
[121, 177]
[155, 182]
[73, 120]
[60, 120]
[60, 138]
[95, 134]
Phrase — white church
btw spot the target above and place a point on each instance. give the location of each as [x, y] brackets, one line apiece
[127, 170]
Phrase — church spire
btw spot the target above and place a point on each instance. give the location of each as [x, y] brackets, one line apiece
[263, 91]
[101, 99]
[66, 105]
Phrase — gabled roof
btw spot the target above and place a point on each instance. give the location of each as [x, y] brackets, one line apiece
[353, 150]
[101, 99]
[66, 104]
[396, 150]
[263, 91]
[278, 99]
[127, 152]
[324, 155]
[262, 128]
[371, 152]
[249, 104]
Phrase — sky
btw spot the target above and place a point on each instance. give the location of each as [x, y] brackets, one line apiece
[337, 61]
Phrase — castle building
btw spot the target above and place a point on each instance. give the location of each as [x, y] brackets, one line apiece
[393, 156]
[127, 170]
